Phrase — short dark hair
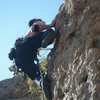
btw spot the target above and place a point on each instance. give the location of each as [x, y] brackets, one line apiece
[32, 21]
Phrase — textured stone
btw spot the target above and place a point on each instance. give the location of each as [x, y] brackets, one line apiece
[74, 65]
[16, 88]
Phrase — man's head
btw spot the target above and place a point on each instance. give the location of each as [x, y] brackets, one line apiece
[32, 21]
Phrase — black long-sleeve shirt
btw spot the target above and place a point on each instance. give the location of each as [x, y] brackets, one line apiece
[27, 51]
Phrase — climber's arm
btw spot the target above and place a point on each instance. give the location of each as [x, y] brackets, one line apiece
[51, 25]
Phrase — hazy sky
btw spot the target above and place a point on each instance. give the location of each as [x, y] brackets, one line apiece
[14, 17]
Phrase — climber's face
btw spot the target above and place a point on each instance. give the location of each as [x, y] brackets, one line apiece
[41, 25]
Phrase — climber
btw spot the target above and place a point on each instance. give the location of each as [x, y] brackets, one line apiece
[39, 35]
[25, 49]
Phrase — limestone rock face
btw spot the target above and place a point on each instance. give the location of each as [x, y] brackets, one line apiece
[16, 88]
[74, 63]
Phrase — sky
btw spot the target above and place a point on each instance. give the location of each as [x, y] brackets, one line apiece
[14, 17]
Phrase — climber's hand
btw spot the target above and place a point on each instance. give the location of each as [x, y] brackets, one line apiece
[53, 23]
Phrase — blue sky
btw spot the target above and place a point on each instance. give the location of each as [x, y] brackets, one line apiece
[14, 17]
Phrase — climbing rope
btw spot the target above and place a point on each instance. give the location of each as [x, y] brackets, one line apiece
[41, 81]
[42, 87]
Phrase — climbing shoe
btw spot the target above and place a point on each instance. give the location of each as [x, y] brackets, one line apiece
[49, 37]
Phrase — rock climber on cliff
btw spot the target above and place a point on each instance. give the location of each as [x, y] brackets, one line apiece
[25, 49]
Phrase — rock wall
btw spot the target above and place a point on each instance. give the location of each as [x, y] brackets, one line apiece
[16, 88]
[74, 63]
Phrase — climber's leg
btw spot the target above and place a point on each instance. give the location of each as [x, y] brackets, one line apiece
[32, 71]
[48, 38]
